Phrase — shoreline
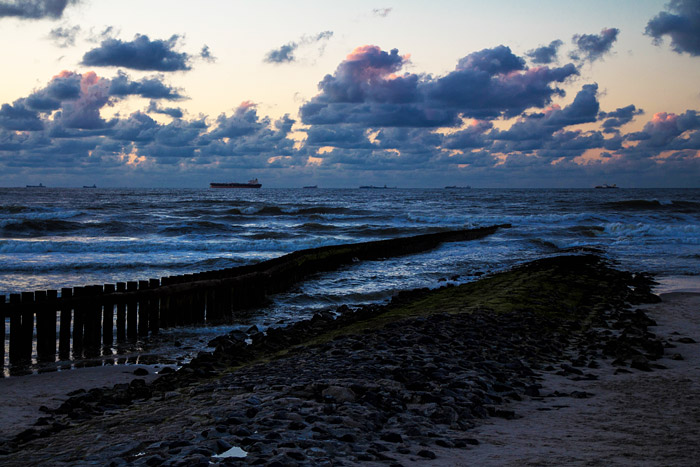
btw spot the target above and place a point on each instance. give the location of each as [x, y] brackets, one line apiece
[206, 380]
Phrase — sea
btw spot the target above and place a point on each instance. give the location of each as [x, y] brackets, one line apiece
[59, 237]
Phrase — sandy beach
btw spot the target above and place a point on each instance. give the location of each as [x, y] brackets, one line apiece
[638, 418]
[22, 396]
[457, 386]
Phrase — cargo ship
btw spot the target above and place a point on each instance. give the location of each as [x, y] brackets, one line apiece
[251, 184]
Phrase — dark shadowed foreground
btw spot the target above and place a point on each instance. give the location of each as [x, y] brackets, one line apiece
[411, 381]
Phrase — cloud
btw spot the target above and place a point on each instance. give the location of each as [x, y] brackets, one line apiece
[592, 47]
[61, 126]
[151, 88]
[683, 27]
[34, 9]
[107, 33]
[285, 53]
[546, 54]
[381, 12]
[617, 118]
[669, 131]
[17, 117]
[174, 112]
[493, 119]
[139, 54]
[73, 101]
[367, 89]
[206, 54]
[64, 36]
[63, 87]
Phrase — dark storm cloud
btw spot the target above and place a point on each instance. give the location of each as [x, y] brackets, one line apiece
[285, 53]
[682, 26]
[140, 54]
[34, 9]
[592, 47]
[546, 54]
[614, 120]
[150, 88]
[64, 36]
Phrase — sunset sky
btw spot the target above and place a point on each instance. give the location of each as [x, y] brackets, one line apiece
[340, 94]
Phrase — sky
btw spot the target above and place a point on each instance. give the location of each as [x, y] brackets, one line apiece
[509, 93]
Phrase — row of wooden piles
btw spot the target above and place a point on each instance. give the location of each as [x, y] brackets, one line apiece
[83, 321]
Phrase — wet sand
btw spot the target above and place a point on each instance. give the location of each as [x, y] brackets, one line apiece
[22, 396]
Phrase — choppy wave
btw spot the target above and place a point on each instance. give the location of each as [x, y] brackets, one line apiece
[88, 235]
[39, 227]
[655, 205]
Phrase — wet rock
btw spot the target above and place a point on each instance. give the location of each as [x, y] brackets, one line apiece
[339, 394]
[640, 362]
[391, 437]
[427, 454]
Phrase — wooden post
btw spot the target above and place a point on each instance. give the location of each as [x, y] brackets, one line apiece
[64, 329]
[153, 308]
[121, 314]
[179, 315]
[199, 306]
[78, 323]
[93, 321]
[15, 330]
[209, 314]
[143, 309]
[188, 308]
[131, 311]
[108, 319]
[2, 332]
[27, 326]
[46, 325]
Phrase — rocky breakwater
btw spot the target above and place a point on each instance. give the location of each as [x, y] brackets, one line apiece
[383, 384]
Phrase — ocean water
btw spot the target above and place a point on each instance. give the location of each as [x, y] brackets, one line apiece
[52, 238]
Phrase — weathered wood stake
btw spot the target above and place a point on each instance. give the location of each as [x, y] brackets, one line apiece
[15, 331]
[131, 311]
[143, 309]
[45, 326]
[153, 308]
[121, 314]
[78, 323]
[64, 329]
[108, 319]
[28, 309]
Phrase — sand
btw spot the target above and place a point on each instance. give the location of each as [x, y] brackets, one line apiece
[631, 419]
[21, 396]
